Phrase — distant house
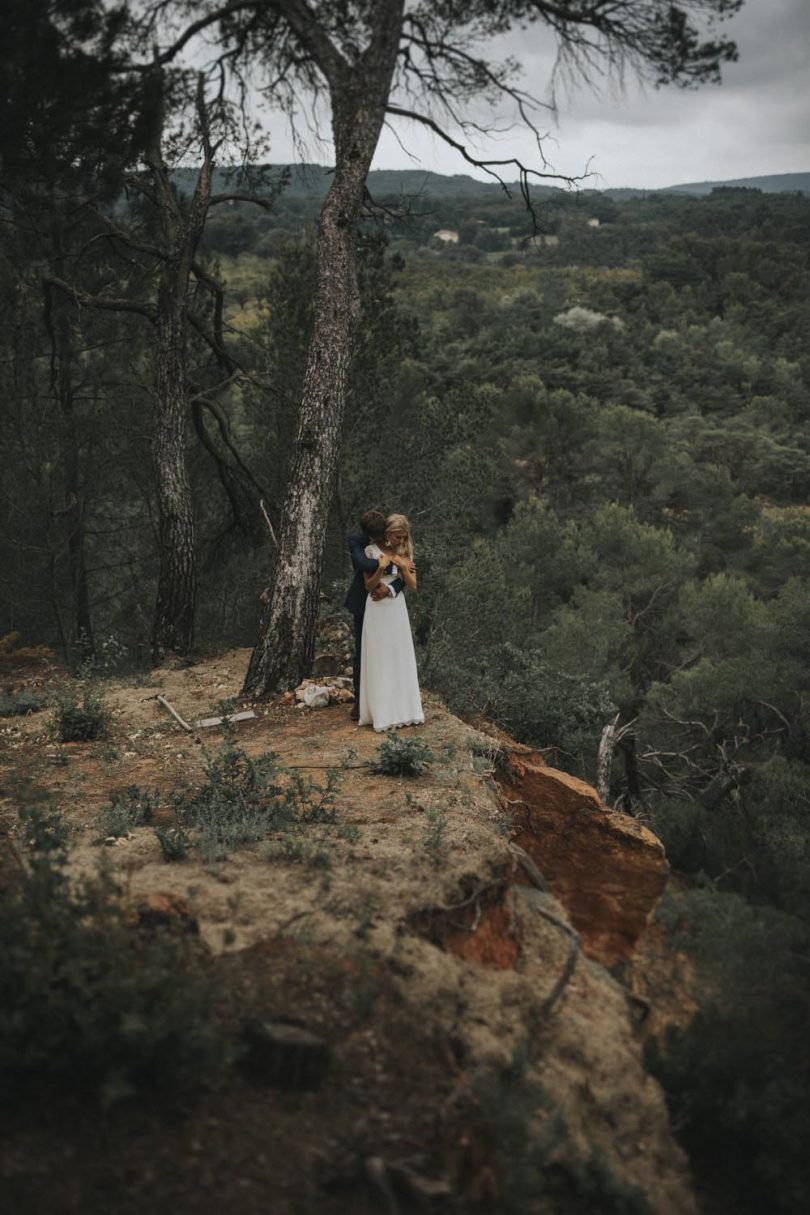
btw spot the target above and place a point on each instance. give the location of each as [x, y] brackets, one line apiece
[447, 235]
[549, 240]
[594, 223]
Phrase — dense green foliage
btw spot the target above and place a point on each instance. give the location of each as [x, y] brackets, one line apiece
[600, 436]
[737, 1077]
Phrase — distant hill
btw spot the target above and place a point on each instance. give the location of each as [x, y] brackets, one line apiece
[776, 183]
[312, 182]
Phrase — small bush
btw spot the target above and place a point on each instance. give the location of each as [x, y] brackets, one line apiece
[298, 850]
[175, 843]
[83, 722]
[20, 705]
[245, 801]
[242, 802]
[403, 757]
[88, 1003]
[434, 837]
[134, 808]
[313, 829]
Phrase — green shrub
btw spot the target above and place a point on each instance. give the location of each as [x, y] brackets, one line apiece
[21, 704]
[133, 808]
[81, 722]
[87, 1002]
[242, 802]
[737, 1077]
[403, 757]
[245, 801]
[314, 828]
[531, 698]
[434, 837]
[175, 843]
[298, 850]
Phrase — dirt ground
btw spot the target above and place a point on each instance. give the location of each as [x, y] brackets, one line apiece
[418, 1010]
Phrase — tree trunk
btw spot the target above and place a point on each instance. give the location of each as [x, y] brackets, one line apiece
[173, 625]
[82, 638]
[634, 791]
[286, 644]
[604, 760]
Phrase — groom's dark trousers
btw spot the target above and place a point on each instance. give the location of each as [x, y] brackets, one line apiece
[356, 599]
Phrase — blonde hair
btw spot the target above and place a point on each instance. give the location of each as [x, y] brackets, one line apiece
[398, 523]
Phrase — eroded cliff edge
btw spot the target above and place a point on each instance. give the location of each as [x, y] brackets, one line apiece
[418, 954]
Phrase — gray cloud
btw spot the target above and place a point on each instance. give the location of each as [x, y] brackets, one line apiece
[755, 123]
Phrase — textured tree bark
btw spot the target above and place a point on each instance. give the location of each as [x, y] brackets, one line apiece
[604, 760]
[286, 644]
[173, 624]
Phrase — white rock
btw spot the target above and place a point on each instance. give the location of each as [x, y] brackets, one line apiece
[316, 697]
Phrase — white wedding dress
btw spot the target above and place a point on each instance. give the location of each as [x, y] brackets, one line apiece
[389, 682]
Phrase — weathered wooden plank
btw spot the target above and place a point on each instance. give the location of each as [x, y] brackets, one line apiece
[245, 715]
[174, 713]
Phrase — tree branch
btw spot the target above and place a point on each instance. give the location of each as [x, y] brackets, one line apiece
[491, 167]
[85, 300]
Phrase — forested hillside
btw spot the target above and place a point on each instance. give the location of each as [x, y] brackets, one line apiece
[598, 428]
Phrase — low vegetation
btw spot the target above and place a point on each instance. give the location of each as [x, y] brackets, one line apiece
[88, 1004]
[403, 757]
[81, 720]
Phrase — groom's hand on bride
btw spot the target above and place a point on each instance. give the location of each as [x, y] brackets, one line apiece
[380, 592]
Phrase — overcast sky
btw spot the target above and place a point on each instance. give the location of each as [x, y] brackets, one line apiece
[757, 122]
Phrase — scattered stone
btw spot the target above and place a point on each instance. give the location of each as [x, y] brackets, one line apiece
[313, 695]
[316, 697]
[325, 664]
[284, 1054]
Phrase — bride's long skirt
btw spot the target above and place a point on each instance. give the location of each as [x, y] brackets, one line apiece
[389, 682]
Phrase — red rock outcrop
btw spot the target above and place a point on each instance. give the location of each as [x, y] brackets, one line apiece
[605, 868]
[481, 931]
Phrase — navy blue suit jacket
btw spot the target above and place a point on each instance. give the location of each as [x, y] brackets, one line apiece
[361, 564]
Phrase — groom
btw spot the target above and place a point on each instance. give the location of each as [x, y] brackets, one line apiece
[372, 531]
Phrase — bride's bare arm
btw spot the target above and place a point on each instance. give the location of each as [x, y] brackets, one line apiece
[373, 580]
[407, 573]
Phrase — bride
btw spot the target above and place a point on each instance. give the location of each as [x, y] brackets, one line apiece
[389, 683]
